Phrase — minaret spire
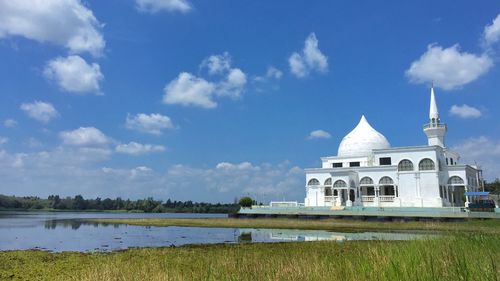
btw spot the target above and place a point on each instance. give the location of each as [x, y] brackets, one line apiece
[433, 109]
[434, 130]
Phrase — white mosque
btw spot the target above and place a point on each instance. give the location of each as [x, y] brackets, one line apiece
[368, 172]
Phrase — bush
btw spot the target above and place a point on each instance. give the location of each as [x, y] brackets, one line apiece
[245, 202]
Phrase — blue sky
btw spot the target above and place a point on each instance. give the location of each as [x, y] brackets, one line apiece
[189, 99]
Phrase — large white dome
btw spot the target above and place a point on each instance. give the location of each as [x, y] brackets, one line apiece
[362, 140]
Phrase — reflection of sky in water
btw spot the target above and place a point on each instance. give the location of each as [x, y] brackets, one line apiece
[64, 232]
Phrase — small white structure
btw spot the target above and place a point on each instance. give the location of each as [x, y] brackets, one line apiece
[368, 172]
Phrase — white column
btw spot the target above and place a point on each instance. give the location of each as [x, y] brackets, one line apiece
[348, 202]
[376, 200]
[466, 197]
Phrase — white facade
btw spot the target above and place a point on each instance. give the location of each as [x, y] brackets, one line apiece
[368, 172]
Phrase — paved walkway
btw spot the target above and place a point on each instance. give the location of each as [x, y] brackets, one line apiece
[458, 213]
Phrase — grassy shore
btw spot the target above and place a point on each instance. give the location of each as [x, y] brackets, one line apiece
[483, 226]
[455, 257]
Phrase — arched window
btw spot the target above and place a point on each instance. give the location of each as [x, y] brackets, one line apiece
[387, 188]
[455, 180]
[366, 180]
[366, 186]
[328, 181]
[386, 180]
[405, 165]
[426, 165]
[313, 182]
[328, 191]
[340, 183]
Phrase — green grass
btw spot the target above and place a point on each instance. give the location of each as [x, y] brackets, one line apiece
[451, 257]
[483, 226]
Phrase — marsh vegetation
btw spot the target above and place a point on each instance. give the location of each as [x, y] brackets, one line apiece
[456, 257]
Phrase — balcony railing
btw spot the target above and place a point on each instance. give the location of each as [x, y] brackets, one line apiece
[386, 198]
[367, 198]
[330, 198]
[434, 125]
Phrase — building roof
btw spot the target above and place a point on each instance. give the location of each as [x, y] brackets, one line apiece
[362, 140]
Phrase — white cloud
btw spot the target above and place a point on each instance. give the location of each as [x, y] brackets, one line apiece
[267, 81]
[154, 6]
[311, 59]
[153, 123]
[70, 170]
[233, 85]
[64, 22]
[63, 170]
[10, 123]
[297, 65]
[491, 32]
[84, 137]
[319, 134]
[189, 90]
[217, 64]
[134, 148]
[481, 150]
[448, 68]
[263, 182]
[240, 166]
[74, 74]
[40, 111]
[273, 72]
[3, 140]
[465, 111]
[33, 143]
[129, 174]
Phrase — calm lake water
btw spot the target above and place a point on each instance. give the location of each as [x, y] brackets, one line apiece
[59, 232]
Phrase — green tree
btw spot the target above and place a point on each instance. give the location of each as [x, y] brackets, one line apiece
[79, 203]
[245, 202]
[107, 204]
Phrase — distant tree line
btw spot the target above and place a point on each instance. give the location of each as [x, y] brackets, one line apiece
[492, 187]
[78, 203]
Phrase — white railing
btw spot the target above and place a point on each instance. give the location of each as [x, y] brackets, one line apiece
[386, 198]
[283, 204]
[329, 198]
[365, 198]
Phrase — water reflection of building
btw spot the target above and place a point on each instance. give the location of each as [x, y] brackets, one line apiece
[321, 235]
[367, 172]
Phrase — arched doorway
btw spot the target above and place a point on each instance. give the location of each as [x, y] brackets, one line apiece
[456, 191]
[340, 187]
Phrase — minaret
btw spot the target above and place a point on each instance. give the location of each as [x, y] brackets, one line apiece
[434, 130]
